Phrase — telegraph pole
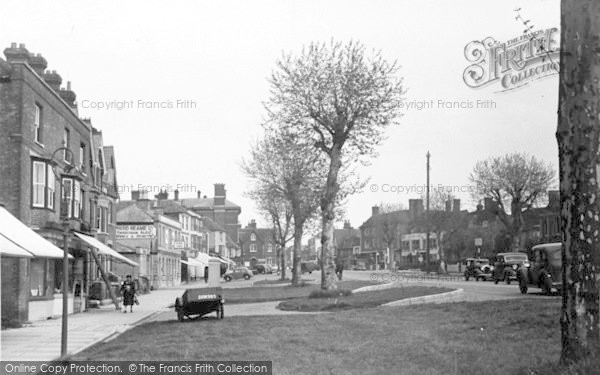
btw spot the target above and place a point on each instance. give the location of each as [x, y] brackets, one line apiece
[428, 155]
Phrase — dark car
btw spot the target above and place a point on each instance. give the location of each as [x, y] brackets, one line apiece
[477, 268]
[506, 266]
[238, 273]
[545, 270]
[263, 268]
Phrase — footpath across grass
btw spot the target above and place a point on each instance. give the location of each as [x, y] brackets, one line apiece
[494, 337]
[358, 300]
[271, 293]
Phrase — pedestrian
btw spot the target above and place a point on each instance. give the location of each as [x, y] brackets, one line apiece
[339, 268]
[206, 275]
[128, 293]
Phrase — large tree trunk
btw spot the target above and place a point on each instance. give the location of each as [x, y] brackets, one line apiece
[516, 225]
[578, 137]
[298, 229]
[282, 260]
[328, 276]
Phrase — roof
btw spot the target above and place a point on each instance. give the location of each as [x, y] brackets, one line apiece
[207, 203]
[231, 244]
[209, 224]
[264, 234]
[134, 214]
[402, 216]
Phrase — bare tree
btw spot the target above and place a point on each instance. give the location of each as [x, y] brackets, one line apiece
[341, 100]
[389, 226]
[292, 175]
[578, 136]
[515, 180]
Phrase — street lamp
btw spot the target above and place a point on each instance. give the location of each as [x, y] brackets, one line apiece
[66, 227]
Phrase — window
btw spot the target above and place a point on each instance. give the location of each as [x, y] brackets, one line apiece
[416, 245]
[67, 144]
[269, 247]
[37, 124]
[38, 198]
[253, 248]
[253, 237]
[82, 157]
[50, 188]
[101, 213]
[71, 198]
[38, 279]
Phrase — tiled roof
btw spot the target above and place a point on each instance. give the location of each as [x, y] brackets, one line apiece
[134, 214]
[212, 226]
[206, 203]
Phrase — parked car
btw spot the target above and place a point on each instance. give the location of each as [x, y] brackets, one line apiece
[359, 267]
[238, 273]
[478, 268]
[545, 270]
[274, 268]
[506, 266]
[263, 268]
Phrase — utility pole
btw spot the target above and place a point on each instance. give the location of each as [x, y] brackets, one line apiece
[428, 155]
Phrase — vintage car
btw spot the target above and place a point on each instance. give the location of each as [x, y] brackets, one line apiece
[198, 302]
[506, 266]
[238, 273]
[545, 270]
[477, 268]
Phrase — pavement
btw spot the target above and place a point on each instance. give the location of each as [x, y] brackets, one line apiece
[41, 340]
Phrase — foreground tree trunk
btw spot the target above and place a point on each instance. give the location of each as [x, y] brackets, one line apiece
[578, 137]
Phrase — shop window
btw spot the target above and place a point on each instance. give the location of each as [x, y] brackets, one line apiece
[38, 277]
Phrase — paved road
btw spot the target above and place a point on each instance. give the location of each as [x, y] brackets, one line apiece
[474, 290]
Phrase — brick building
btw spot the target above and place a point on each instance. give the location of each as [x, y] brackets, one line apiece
[52, 167]
[219, 209]
[257, 245]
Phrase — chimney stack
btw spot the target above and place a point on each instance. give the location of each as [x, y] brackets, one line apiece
[252, 224]
[53, 80]
[199, 194]
[16, 54]
[135, 195]
[68, 95]
[347, 224]
[415, 207]
[374, 210]
[220, 194]
[38, 63]
[448, 205]
[176, 193]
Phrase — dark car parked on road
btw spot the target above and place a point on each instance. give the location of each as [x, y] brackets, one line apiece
[477, 268]
[506, 266]
[238, 273]
[545, 270]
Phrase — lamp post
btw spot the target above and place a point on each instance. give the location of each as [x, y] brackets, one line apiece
[65, 282]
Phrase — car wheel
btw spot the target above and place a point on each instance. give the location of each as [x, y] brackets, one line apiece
[507, 279]
[246, 277]
[496, 280]
[227, 278]
[522, 286]
[547, 286]
[466, 278]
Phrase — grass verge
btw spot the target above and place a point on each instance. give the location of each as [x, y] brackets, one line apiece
[495, 337]
[357, 300]
[265, 293]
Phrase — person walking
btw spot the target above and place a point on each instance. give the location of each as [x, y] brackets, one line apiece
[128, 293]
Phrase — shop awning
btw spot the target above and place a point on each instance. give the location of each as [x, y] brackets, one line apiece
[197, 263]
[20, 234]
[226, 260]
[103, 249]
[11, 249]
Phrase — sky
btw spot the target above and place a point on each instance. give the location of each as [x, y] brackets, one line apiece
[204, 66]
